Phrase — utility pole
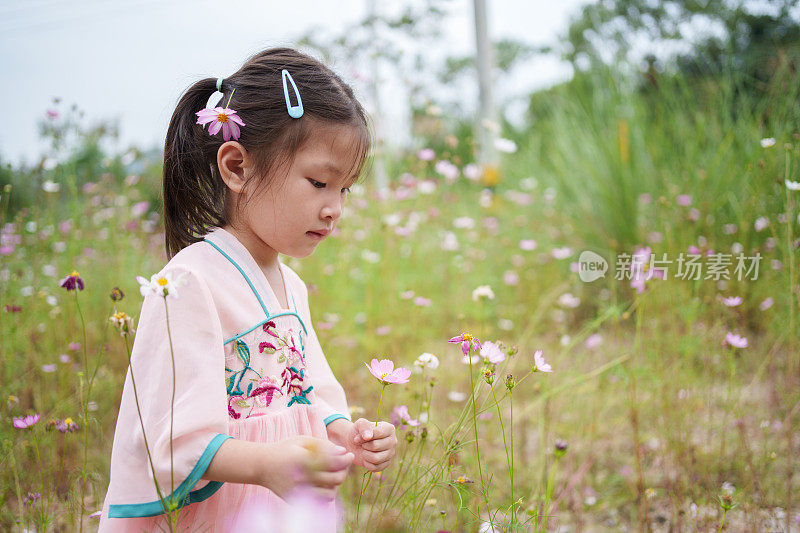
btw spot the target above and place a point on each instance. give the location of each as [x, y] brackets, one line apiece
[487, 125]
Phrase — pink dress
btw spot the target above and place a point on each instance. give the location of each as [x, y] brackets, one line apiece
[245, 368]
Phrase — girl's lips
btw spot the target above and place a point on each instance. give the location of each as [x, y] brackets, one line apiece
[315, 235]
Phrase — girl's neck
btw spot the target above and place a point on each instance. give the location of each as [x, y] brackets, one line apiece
[265, 257]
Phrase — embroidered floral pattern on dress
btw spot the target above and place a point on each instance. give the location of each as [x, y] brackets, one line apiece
[276, 370]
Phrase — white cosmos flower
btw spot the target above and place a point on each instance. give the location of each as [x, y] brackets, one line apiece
[161, 285]
[767, 142]
[492, 353]
[427, 360]
[505, 145]
[792, 185]
[51, 186]
[539, 364]
[484, 291]
[475, 359]
[456, 396]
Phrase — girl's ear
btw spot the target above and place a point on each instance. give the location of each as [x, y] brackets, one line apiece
[234, 164]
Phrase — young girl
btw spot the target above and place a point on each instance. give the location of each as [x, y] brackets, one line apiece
[250, 409]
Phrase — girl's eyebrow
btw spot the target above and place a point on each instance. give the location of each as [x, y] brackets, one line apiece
[329, 167]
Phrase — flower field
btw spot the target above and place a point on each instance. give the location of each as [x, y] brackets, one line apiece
[661, 395]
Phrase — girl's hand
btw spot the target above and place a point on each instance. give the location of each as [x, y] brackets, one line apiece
[307, 461]
[373, 446]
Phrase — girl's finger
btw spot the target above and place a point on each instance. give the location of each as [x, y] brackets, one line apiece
[381, 466]
[328, 480]
[378, 445]
[336, 463]
[379, 457]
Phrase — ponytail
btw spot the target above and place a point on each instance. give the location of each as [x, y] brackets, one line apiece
[193, 195]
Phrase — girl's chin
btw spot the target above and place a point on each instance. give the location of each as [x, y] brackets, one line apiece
[299, 254]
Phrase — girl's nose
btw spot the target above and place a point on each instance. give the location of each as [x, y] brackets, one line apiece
[333, 209]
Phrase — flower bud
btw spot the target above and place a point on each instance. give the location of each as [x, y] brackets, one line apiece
[510, 383]
[488, 374]
[561, 447]
[116, 294]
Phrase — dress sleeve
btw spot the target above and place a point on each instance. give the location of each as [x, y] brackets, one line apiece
[329, 393]
[196, 418]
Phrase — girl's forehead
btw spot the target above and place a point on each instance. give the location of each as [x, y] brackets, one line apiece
[333, 149]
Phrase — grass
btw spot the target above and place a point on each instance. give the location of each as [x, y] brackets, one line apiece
[657, 412]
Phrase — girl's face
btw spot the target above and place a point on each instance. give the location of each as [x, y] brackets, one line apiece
[292, 215]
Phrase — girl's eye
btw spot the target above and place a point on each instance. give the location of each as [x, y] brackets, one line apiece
[317, 184]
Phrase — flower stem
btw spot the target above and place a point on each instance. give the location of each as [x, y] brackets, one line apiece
[722, 522]
[141, 422]
[368, 475]
[171, 412]
[508, 460]
[511, 436]
[85, 412]
[380, 399]
[635, 425]
[475, 428]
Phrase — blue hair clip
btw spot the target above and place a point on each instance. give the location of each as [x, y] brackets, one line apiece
[295, 111]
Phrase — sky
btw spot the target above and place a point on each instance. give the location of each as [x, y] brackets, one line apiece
[129, 60]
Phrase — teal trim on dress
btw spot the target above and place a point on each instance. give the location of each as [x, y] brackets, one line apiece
[333, 417]
[264, 307]
[267, 320]
[182, 496]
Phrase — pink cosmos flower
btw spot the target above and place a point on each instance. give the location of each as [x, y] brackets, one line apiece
[594, 341]
[641, 271]
[140, 208]
[465, 339]
[400, 417]
[766, 304]
[422, 302]
[684, 200]
[737, 341]
[426, 154]
[386, 373]
[22, 422]
[561, 253]
[225, 119]
[71, 282]
[539, 364]
[732, 301]
[74, 346]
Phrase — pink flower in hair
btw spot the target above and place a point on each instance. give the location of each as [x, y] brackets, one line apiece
[224, 119]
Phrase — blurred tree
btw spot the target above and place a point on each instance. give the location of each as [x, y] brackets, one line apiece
[701, 35]
[401, 41]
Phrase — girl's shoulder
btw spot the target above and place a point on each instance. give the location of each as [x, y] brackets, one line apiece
[198, 260]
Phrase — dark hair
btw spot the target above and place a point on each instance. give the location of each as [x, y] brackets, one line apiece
[194, 193]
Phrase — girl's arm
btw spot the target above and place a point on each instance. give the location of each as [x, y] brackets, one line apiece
[241, 461]
[281, 466]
